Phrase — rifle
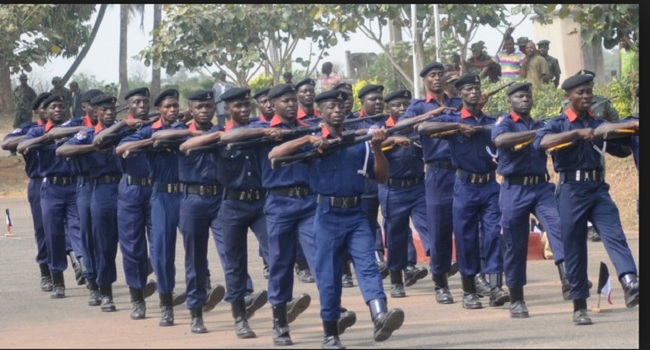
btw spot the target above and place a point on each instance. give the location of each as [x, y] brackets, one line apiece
[455, 131]
[571, 143]
[112, 139]
[348, 139]
[597, 104]
[120, 110]
[496, 90]
[295, 133]
[412, 138]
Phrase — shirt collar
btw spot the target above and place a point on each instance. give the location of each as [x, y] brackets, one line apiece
[130, 117]
[229, 125]
[192, 126]
[302, 114]
[573, 115]
[86, 121]
[325, 132]
[39, 122]
[390, 122]
[98, 128]
[515, 117]
[262, 118]
[276, 120]
[157, 124]
[49, 125]
[465, 113]
[431, 97]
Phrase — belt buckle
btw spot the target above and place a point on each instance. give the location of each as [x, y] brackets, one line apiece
[344, 203]
[577, 175]
[201, 190]
[480, 179]
[525, 180]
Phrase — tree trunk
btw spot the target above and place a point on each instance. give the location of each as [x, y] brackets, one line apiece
[155, 68]
[123, 71]
[80, 57]
[6, 93]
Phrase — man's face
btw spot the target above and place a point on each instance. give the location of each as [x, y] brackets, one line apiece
[580, 97]
[332, 112]
[622, 43]
[530, 49]
[169, 110]
[373, 103]
[287, 78]
[470, 94]
[23, 81]
[55, 112]
[521, 102]
[265, 106]
[106, 114]
[509, 46]
[397, 107]
[89, 110]
[435, 80]
[202, 111]
[74, 87]
[348, 103]
[306, 94]
[286, 106]
[240, 110]
[543, 50]
[139, 106]
[42, 113]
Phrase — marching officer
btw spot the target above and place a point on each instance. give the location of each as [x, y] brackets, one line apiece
[305, 90]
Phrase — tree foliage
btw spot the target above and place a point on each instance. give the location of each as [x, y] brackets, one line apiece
[238, 37]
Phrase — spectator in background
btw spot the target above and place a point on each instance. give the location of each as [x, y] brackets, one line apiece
[77, 110]
[219, 88]
[553, 64]
[510, 59]
[330, 78]
[24, 95]
[629, 57]
[455, 64]
[534, 68]
[482, 64]
[288, 76]
[521, 43]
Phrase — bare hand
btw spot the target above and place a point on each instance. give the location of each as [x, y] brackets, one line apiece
[273, 134]
[467, 130]
[401, 141]
[133, 123]
[320, 143]
[378, 137]
[586, 134]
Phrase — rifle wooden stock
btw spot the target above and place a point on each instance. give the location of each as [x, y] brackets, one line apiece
[167, 145]
[560, 146]
[520, 146]
[455, 131]
[295, 133]
[412, 138]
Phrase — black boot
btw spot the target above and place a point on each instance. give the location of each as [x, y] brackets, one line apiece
[166, 310]
[242, 329]
[58, 285]
[281, 326]
[254, 302]
[414, 273]
[196, 325]
[46, 278]
[78, 272]
[396, 284]
[150, 288]
[106, 293]
[482, 286]
[179, 299]
[518, 307]
[347, 280]
[95, 298]
[630, 285]
[331, 339]
[580, 316]
[470, 298]
[498, 296]
[381, 264]
[215, 295]
[297, 306]
[564, 278]
[137, 301]
[346, 319]
[385, 321]
[443, 296]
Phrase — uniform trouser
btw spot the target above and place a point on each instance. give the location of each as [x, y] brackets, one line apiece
[439, 191]
[103, 208]
[336, 231]
[164, 221]
[34, 198]
[590, 200]
[198, 214]
[60, 217]
[517, 202]
[235, 218]
[370, 206]
[398, 206]
[84, 197]
[286, 219]
[134, 225]
[474, 204]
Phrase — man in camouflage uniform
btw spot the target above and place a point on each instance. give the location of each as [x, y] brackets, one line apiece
[62, 91]
[553, 63]
[24, 95]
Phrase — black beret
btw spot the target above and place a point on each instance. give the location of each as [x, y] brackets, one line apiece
[518, 87]
[576, 80]
[52, 98]
[309, 81]
[261, 93]
[479, 45]
[40, 98]
[370, 88]
[287, 74]
[201, 95]
[430, 66]
[88, 95]
[586, 71]
[398, 94]
[344, 86]
[543, 43]
[56, 80]
[103, 99]
[138, 91]
[281, 89]
[173, 93]
[522, 40]
[338, 95]
[236, 94]
[469, 78]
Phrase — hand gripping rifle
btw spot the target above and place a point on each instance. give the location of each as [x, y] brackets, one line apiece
[113, 139]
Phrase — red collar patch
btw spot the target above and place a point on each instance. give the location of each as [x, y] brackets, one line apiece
[515, 117]
[49, 125]
[157, 124]
[431, 97]
[390, 122]
[573, 115]
[465, 113]
[86, 121]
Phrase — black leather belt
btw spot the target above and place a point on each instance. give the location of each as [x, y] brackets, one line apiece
[405, 182]
[108, 179]
[527, 180]
[297, 191]
[204, 190]
[140, 181]
[442, 164]
[341, 202]
[60, 180]
[475, 178]
[84, 179]
[245, 195]
[37, 179]
[175, 187]
[582, 175]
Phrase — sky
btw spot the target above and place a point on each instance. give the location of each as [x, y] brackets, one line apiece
[102, 59]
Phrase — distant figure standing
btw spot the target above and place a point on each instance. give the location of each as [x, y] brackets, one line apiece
[534, 68]
[330, 78]
[77, 110]
[288, 77]
[482, 64]
[219, 88]
[553, 64]
[510, 59]
[24, 95]
[65, 94]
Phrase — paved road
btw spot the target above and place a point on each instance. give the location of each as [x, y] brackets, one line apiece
[30, 319]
